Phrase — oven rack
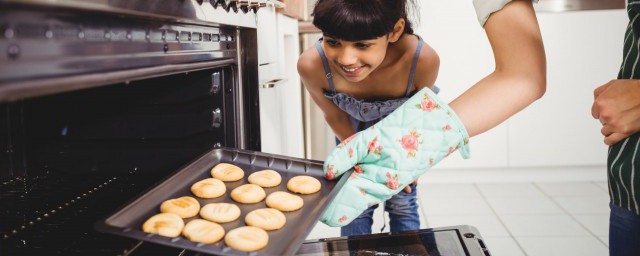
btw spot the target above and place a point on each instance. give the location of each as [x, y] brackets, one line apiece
[37, 221]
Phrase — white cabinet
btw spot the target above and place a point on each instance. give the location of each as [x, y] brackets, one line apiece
[281, 125]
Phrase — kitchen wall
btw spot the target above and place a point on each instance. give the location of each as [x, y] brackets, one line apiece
[584, 50]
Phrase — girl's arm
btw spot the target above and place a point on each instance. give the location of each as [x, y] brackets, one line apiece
[308, 65]
[520, 74]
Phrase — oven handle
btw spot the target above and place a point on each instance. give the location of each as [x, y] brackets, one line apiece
[273, 83]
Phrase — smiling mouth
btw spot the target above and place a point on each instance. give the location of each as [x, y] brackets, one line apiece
[351, 70]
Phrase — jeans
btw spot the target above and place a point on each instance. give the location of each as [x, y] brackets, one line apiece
[624, 232]
[403, 214]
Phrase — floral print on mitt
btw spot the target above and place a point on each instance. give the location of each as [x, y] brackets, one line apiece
[391, 154]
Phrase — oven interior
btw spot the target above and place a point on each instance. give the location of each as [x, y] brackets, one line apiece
[72, 158]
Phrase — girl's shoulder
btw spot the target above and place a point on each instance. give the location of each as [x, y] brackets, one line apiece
[309, 64]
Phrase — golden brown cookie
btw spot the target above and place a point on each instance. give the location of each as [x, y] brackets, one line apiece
[202, 231]
[284, 201]
[164, 224]
[220, 212]
[266, 218]
[185, 207]
[265, 178]
[248, 194]
[247, 239]
[304, 184]
[209, 188]
[227, 172]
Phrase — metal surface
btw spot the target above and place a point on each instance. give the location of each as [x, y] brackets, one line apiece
[578, 5]
[191, 11]
[274, 83]
[450, 241]
[128, 220]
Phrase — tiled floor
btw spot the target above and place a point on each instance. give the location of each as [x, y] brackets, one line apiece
[552, 211]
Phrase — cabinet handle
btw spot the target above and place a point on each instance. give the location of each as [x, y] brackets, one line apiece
[273, 83]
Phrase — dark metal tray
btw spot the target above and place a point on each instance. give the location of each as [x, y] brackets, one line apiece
[128, 220]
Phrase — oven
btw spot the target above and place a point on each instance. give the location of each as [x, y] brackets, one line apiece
[102, 99]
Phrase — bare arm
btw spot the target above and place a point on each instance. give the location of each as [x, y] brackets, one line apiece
[337, 119]
[520, 74]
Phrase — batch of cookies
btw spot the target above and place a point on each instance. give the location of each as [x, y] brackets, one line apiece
[208, 230]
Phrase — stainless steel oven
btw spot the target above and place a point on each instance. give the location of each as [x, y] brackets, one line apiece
[101, 99]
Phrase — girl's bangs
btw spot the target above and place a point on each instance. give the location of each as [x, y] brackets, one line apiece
[346, 25]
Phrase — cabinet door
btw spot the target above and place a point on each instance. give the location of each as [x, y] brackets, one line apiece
[291, 90]
[267, 39]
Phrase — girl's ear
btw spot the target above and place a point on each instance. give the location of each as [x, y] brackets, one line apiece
[398, 29]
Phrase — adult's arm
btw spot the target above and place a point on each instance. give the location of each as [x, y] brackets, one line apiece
[520, 74]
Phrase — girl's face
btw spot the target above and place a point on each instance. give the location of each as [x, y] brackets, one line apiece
[355, 60]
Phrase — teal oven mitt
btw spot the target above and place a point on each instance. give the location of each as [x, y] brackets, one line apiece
[392, 154]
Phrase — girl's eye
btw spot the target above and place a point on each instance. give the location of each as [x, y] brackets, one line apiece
[331, 42]
[362, 46]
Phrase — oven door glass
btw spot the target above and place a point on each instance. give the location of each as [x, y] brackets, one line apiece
[423, 242]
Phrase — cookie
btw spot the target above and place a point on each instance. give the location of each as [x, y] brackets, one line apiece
[266, 218]
[202, 231]
[248, 194]
[185, 207]
[209, 188]
[284, 201]
[265, 178]
[227, 172]
[220, 212]
[303, 184]
[164, 224]
[247, 239]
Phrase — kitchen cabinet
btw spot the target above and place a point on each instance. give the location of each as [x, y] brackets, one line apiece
[280, 91]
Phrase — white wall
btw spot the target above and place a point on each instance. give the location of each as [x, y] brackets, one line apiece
[584, 50]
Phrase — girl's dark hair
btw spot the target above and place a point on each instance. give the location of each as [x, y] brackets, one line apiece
[355, 20]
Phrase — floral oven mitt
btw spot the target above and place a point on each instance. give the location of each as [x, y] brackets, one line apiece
[391, 154]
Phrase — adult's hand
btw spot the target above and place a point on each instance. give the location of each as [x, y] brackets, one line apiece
[617, 105]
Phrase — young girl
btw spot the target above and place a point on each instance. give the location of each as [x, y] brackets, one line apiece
[367, 63]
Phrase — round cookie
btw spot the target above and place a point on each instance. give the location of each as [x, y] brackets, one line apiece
[227, 172]
[185, 207]
[248, 194]
[284, 201]
[220, 212]
[164, 224]
[209, 188]
[265, 178]
[303, 184]
[247, 239]
[202, 231]
[266, 218]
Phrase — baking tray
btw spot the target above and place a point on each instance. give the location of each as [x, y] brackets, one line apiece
[128, 220]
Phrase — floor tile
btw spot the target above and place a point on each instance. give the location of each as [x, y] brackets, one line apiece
[524, 205]
[543, 225]
[604, 239]
[487, 225]
[571, 189]
[454, 205]
[562, 246]
[321, 230]
[449, 190]
[499, 246]
[597, 224]
[584, 204]
[508, 189]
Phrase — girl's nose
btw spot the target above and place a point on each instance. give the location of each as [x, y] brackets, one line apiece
[347, 58]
